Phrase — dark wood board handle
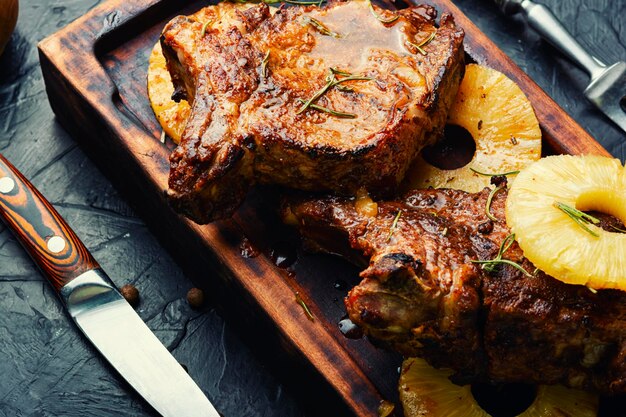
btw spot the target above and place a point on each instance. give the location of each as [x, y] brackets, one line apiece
[51, 243]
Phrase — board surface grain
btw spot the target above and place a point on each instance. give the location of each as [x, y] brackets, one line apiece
[95, 77]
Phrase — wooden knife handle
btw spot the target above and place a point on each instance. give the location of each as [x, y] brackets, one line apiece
[51, 243]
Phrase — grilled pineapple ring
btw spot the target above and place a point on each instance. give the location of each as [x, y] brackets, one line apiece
[427, 392]
[554, 241]
[497, 114]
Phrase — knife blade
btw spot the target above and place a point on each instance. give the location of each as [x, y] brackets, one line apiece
[93, 302]
[607, 88]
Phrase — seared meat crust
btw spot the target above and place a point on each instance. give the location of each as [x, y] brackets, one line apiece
[248, 71]
[423, 296]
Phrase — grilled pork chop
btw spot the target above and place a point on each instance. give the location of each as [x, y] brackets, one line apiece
[322, 99]
[423, 296]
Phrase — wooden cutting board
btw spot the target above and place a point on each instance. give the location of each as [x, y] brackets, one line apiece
[253, 267]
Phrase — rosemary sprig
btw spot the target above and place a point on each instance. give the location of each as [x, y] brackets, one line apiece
[340, 72]
[394, 225]
[330, 111]
[345, 89]
[489, 200]
[581, 218]
[493, 175]
[422, 44]
[299, 2]
[491, 264]
[617, 229]
[305, 307]
[379, 17]
[331, 81]
[318, 94]
[204, 28]
[302, 3]
[320, 27]
[266, 59]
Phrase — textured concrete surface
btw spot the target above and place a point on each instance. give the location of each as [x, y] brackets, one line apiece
[46, 367]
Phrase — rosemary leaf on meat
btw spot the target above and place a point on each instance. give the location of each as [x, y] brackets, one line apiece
[318, 94]
[340, 72]
[298, 2]
[331, 81]
[421, 45]
[301, 3]
[581, 218]
[204, 28]
[335, 113]
[266, 59]
[320, 27]
[617, 229]
[489, 200]
[394, 225]
[494, 175]
[491, 264]
[379, 17]
[345, 89]
[305, 307]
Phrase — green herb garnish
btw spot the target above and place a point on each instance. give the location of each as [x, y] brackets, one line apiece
[394, 225]
[266, 59]
[331, 81]
[379, 17]
[491, 264]
[340, 72]
[617, 229]
[422, 44]
[494, 175]
[320, 27]
[330, 111]
[300, 2]
[581, 218]
[305, 307]
[204, 28]
[489, 200]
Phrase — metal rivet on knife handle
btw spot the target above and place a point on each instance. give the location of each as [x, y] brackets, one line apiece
[50, 242]
[56, 244]
[6, 185]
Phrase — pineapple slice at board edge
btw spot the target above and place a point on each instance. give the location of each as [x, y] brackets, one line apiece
[495, 111]
[551, 239]
[172, 116]
[427, 392]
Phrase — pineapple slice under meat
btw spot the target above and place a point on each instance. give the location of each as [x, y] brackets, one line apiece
[427, 392]
[172, 116]
[552, 240]
[495, 111]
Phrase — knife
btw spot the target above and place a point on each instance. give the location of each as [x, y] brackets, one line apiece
[92, 301]
[607, 88]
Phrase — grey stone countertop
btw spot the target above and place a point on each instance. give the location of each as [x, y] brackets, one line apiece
[48, 369]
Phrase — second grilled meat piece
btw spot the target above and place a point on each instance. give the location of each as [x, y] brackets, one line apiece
[423, 296]
[249, 72]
